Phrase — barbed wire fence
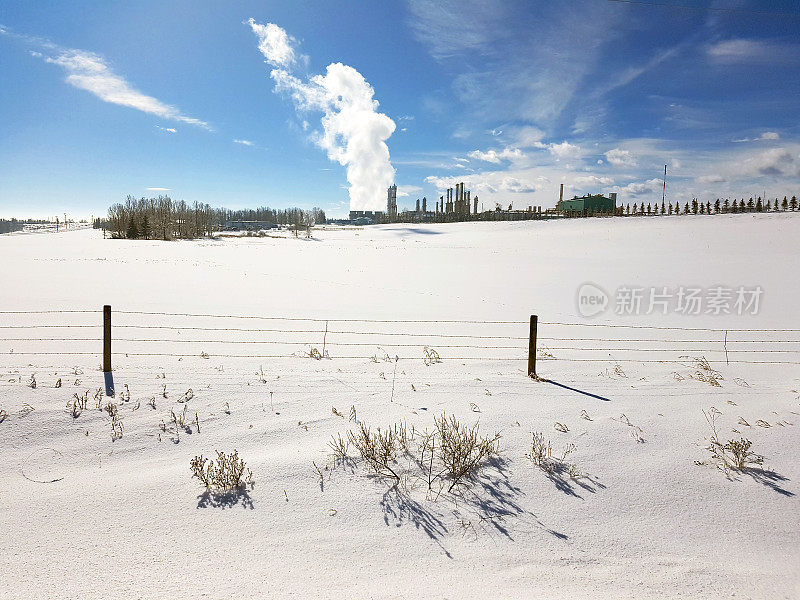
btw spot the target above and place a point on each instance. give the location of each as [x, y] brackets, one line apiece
[81, 333]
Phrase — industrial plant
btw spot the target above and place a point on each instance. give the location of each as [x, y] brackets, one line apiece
[457, 204]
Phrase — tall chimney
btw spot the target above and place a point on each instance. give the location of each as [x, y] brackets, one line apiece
[475, 211]
[561, 195]
[424, 204]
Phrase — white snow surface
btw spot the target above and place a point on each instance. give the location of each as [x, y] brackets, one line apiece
[83, 516]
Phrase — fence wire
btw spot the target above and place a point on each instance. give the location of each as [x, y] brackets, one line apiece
[472, 340]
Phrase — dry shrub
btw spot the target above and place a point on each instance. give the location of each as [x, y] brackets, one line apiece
[78, 404]
[451, 453]
[733, 454]
[541, 450]
[227, 473]
[461, 449]
[431, 356]
[705, 372]
[378, 449]
[542, 456]
[339, 446]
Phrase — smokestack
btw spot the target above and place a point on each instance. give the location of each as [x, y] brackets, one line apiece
[561, 194]
[417, 204]
[424, 204]
[476, 205]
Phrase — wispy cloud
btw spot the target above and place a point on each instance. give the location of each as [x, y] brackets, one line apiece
[753, 51]
[158, 189]
[244, 142]
[167, 129]
[90, 72]
[527, 72]
[766, 136]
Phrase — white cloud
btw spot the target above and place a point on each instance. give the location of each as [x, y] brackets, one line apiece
[620, 158]
[407, 190]
[781, 162]
[167, 129]
[586, 180]
[706, 179]
[353, 132]
[529, 137]
[88, 71]
[244, 142]
[275, 44]
[766, 136]
[564, 150]
[485, 183]
[640, 188]
[158, 189]
[493, 156]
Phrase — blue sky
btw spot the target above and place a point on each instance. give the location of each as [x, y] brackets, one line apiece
[322, 104]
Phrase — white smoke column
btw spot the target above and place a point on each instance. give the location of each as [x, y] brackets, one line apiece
[353, 133]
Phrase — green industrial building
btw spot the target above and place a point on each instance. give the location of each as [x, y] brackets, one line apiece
[591, 204]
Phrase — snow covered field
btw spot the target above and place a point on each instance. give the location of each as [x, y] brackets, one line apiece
[83, 516]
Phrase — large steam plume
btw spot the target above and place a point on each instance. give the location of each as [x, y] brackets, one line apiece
[353, 132]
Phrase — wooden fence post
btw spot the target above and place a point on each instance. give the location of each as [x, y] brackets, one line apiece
[532, 347]
[107, 338]
[107, 375]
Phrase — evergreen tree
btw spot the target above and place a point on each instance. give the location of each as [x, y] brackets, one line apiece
[648, 208]
[769, 205]
[628, 208]
[750, 204]
[669, 208]
[132, 232]
[759, 206]
[716, 206]
[145, 227]
[634, 207]
[726, 206]
[735, 206]
[686, 209]
[785, 204]
[702, 208]
[794, 203]
[708, 208]
[694, 206]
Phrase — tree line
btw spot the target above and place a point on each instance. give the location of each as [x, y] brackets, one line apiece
[719, 206]
[9, 225]
[165, 219]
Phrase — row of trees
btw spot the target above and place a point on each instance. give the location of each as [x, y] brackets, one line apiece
[725, 206]
[287, 216]
[12, 225]
[9, 225]
[165, 219]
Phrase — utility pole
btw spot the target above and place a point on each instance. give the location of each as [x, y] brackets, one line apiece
[664, 193]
